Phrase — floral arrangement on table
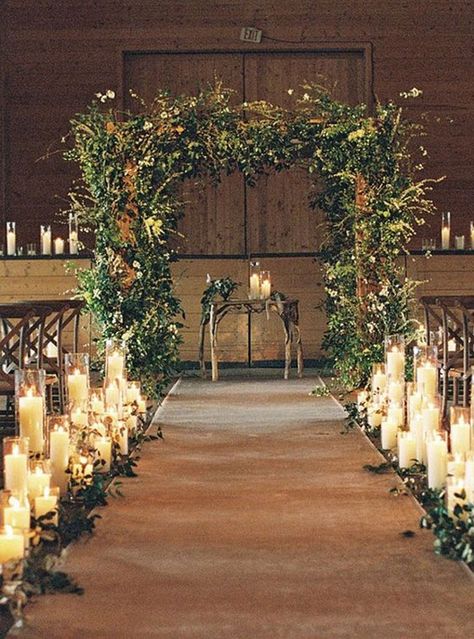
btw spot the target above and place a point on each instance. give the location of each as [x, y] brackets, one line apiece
[59, 468]
[434, 458]
[131, 165]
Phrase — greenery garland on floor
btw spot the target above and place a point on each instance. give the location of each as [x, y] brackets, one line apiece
[131, 166]
[454, 532]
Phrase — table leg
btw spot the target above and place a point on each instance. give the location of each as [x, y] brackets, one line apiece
[287, 331]
[202, 363]
[299, 349]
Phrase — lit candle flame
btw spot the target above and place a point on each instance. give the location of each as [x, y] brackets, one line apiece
[16, 449]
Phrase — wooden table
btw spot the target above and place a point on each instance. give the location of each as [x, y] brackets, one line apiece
[286, 310]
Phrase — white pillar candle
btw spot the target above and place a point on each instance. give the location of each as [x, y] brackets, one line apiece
[456, 466]
[77, 386]
[460, 437]
[266, 289]
[59, 246]
[37, 482]
[46, 241]
[31, 416]
[437, 458]
[418, 430]
[133, 393]
[11, 242]
[97, 404]
[112, 395]
[103, 446]
[79, 417]
[45, 504]
[430, 415]
[395, 414]
[395, 363]
[427, 379]
[374, 415]
[59, 453]
[388, 431]
[379, 382]
[115, 365]
[12, 545]
[254, 286]
[17, 515]
[396, 390]
[445, 233]
[73, 242]
[414, 406]
[16, 471]
[406, 449]
[121, 437]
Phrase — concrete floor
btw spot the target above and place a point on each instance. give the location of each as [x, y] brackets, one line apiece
[255, 520]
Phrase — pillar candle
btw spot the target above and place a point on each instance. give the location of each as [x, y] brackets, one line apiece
[12, 545]
[77, 386]
[103, 446]
[73, 242]
[374, 415]
[254, 286]
[16, 471]
[418, 430]
[79, 417]
[437, 457]
[46, 241]
[445, 233]
[406, 449]
[395, 363]
[395, 414]
[472, 236]
[37, 482]
[112, 395]
[17, 515]
[58, 246]
[430, 415]
[396, 391]
[46, 503]
[362, 398]
[132, 424]
[133, 394]
[388, 430]
[97, 404]
[427, 379]
[456, 466]
[266, 289]
[59, 453]
[115, 365]
[379, 382]
[31, 416]
[460, 437]
[11, 243]
[142, 405]
[414, 406]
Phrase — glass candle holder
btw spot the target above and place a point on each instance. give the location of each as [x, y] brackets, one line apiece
[471, 234]
[395, 357]
[396, 412]
[375, 410]
[459, 242]
[395, 391]
[12, 546]
[254, 280]
[362, 400]
[133, 392]
[77, 376]
[425, 363]
[39, 477]
[445, 230]
[59, 440]
[379, 379]
[11, 238]
[15, 463]
[437, 458]
[30, 404]
[406, 449]
[79, 414]
[103, 448]
[120, 437]
[460, 430]
[31, 248]
[16, 512]
[59, 246]
[96, 401]
[73, 234]
[265, 285]
[45, 239]
[115, 354]
[388, 433]
[113, 395]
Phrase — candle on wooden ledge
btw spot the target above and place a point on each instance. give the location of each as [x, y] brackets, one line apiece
[15, 463]
[445, 230]
[58, 426]
[388, 431]
[73, 233]
[472, 235]
[47, 503]
[59, 246]
[11, 238]
[437, 459]
[265, 285]
[45, 239]
[38, 479]
[12, 545]
[406, 449]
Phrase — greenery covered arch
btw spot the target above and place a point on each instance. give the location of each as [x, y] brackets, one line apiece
[131, 164]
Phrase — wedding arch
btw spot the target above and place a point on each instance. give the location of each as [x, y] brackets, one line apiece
[127, 194]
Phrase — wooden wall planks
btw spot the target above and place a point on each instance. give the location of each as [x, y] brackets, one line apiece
[57, 55]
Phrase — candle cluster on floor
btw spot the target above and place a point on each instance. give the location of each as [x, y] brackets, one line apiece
[54, 457]
[412, 426]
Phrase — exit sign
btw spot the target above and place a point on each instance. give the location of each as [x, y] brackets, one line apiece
[251, 34]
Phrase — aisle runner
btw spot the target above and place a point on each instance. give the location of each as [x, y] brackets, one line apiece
[255, 520]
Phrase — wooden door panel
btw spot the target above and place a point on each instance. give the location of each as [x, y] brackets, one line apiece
[278, 213]
[213, 222]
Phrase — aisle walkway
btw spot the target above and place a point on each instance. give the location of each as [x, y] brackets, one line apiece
[255, 520]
